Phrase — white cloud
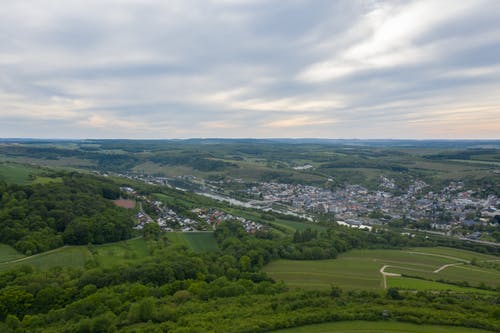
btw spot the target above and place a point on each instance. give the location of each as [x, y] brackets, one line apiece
[389, 40]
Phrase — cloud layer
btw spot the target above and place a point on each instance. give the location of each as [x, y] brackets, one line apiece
[178, 69]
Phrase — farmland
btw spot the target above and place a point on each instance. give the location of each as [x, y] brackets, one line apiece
[22, 174]
[67, 256]
[361, 269]
[7, 253]
[16, 173]
[197, 241]
[374, 327]
[105, 255]
[129, 204]
[76, 256]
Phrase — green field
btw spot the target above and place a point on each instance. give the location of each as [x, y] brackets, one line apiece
[67, 256]
[360, 269]
[420, 285]
[16, 173]
[121, 252]
[8, 253]
[197, 241]
[294, 225]
[377, 327]
[347, 273]
[45, 180]
[105, 255]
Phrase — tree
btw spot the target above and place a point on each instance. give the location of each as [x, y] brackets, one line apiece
[151, 231]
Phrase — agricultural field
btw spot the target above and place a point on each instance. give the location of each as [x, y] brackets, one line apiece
[105, 255]
[17, 174]
[294, 225]
[129, 204]
[378, 269]
[8, 253]
[46, 180]
[197, 241]
[67, 256]
[405, 283]
[377, 327]
[121, 252]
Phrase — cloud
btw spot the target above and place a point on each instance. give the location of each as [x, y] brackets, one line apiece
[301, 121]
[155, 69]
[389, 40]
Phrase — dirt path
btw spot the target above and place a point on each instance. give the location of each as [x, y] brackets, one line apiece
[385, 275]
[447, 265]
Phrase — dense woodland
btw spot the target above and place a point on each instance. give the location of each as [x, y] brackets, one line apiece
[77, 210]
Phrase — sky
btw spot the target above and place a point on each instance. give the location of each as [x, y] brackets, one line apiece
[248, 68]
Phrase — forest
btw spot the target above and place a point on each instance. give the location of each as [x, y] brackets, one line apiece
[77, 210]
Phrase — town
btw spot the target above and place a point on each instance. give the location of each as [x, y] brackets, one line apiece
[201, 219]
[453, 211]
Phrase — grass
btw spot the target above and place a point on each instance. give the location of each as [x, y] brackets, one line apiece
[7, 253]
[294, 225]
[13, 173]
[360, 269]
[121, 252]
[377, 327]
[321, 274]
[68, 256]
[106, 255]
[420, 285]
[200, 241]
[46, 180]
[20, 174]
[462, 254]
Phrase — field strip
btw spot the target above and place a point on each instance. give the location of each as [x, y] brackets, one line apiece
[408, 268]
[393, 261]
[474, 269]
[352, 276]
[35, 255]
[440, 255]
[402, 262]
[447, 265]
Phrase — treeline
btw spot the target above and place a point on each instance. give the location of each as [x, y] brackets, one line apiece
[462, 154]
[196, 161]
[40, 217]
[307, 244]
[121, 162]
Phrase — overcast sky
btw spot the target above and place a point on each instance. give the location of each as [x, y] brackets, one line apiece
[222, 68]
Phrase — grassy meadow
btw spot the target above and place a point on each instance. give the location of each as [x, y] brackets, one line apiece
[22, 174]
[67, 256]
[105, 255]
[360, 269]
[7, 253]
[12, 173]
[76, 256]
[200, 241]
